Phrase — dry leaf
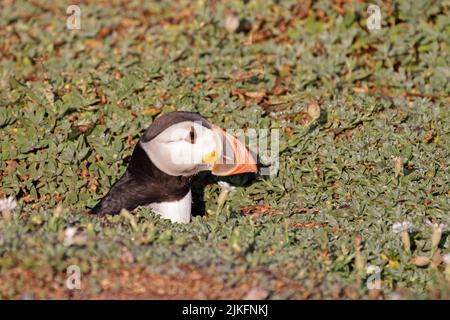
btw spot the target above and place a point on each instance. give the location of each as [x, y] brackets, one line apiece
[420, 261]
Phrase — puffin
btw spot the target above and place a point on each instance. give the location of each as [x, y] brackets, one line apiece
[172, 150]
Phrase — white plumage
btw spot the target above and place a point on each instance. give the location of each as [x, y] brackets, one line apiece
[176, 211]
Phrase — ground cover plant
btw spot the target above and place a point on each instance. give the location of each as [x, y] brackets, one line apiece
[359, 207]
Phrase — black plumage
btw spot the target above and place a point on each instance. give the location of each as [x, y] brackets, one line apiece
[142, 183]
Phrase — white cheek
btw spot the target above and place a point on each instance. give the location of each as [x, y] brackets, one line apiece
[183, 153]
[180, 153]
[207, 144]
[193, 154]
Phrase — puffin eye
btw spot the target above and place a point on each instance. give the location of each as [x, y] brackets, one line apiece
[192, 135]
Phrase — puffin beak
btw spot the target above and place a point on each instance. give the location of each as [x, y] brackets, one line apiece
[233, 157]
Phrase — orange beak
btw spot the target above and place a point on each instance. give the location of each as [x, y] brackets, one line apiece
[234, 157]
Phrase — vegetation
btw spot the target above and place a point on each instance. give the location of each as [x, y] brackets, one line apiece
[364, 126]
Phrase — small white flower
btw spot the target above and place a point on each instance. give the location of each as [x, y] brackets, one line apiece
[401, 226]
[398, 165]
[372, 269]
[8, 204]
[437, 233]
[436, 226]
[231, 23]
[225, 189]
[69, 233]
[446, 258]
[226, 186]
[72, 238]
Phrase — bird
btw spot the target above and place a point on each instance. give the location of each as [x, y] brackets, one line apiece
[172, 150]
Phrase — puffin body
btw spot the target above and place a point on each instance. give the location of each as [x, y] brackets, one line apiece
[172, 150]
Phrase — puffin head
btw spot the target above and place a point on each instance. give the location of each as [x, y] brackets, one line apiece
[184, 143]
[178, 145]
